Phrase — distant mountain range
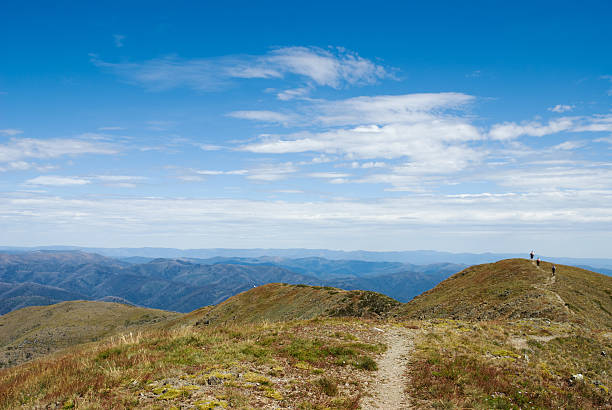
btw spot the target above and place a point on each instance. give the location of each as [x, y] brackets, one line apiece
[418, 257]
[183, 284]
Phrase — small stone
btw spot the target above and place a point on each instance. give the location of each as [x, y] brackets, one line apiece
[576, 377]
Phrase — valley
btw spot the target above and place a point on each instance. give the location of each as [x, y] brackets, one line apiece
[490, 336]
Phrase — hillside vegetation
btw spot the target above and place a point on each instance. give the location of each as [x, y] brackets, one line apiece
[39, 330]
[305, 364]
[506, 335]
[45, 277]
[283, 302]
[517, 288]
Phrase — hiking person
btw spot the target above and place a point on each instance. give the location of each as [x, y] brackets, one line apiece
[531, 255]
[554, 269]
[538, 262]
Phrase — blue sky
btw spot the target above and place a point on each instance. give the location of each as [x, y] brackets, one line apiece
[480, 126]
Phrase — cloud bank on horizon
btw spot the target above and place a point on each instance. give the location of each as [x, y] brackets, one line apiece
[303, 145]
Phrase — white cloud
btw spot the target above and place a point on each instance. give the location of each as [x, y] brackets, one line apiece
[419, 140]
[209, 147]
[371, 164]
[293, 93]
[24, 166]
[216, 172]
[55, 180]
[333, 67]
[112, 128]
[387, 109]
[561, 108]
[570, 145]
[120, 178]
[10, 132]
[264, 116]
[533, 178]
[419, 127]
[328, 175]
[608, 140]
[17, 149]
[269, 173]
[512, 130]
[596, 123]
[174, 216]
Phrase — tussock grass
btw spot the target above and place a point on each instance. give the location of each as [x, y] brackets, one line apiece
[514, 289]
[253, 363]
[39, 330]
[525, 364]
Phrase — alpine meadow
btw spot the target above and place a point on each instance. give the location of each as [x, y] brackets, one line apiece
[321, 205]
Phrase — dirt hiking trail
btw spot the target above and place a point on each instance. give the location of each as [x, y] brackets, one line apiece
[390, 380]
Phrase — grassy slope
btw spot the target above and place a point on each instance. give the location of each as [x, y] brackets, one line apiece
[319, 364]
[527, 363]
[516, 288]
[39, 330]
[277, 302]
[501, 361]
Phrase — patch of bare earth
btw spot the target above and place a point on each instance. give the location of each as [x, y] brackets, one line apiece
[390, 381]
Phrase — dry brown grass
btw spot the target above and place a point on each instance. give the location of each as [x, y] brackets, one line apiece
[517, 288]
[525, 364]
[39, 330]
[261, 365]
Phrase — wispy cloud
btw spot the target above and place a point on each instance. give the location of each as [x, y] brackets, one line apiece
[118, 39]
[512, 130]
[609, 78]
[333, 67]
[10, 132]
[22, 148]
[293, 93]
[264, 116]
[420, 127]
[570, 145]
[55, 180]
[560, 108]
[328, 175]
[112, 128]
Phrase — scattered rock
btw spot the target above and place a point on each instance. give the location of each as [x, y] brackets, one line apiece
[576, 378]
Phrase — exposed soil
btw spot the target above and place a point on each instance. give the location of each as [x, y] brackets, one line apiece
[390, 381]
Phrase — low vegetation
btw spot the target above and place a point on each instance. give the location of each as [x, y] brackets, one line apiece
[231, 366]
[517, 364]
[39, 330]
[507, 335]
[518, 289]
[281, 302]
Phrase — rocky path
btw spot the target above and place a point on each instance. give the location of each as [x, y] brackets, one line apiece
[551, 280]
[390, 380]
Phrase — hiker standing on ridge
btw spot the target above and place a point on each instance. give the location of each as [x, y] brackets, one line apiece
[538, 262]
[554, 269]
[531, 255]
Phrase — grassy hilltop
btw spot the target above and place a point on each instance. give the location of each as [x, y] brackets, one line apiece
[517, 288]
[502, 335]
[39, 330]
